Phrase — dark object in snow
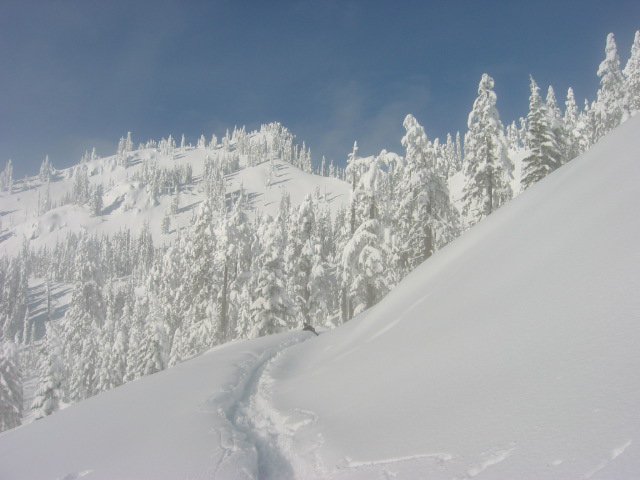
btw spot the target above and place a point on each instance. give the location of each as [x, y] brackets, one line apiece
[309, 328]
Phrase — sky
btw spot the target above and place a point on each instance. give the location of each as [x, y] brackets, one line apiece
[80, 74]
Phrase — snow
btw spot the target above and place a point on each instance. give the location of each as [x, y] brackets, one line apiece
[511, 353]
[512, 348]
[174, 424]
[127, 203]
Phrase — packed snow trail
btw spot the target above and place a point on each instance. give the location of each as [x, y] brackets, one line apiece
[256, 433]
[175, 424]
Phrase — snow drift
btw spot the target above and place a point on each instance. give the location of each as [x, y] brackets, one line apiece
[511, 353]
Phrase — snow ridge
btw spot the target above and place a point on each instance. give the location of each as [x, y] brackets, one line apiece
[254, 442]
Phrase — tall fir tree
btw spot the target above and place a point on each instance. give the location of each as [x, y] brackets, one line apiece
[572, 126]
[49, 391]
[365, 260]
[487, 167]
[610, 106]
[556, 123]
[10, 387]
[272, 309]
[632, 76]
[544, 154]
[425, 217]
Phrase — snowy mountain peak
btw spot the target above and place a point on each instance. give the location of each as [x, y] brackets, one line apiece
[103, 195]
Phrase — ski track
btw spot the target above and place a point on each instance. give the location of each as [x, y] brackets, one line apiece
[615, 453]
[256, 440]
[437, 457]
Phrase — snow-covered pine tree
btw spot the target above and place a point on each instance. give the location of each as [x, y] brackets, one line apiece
[544, 154]
[10, 387]
[299, 257]
[95, 200]
[128, 145]
[272, 309]
[175, 202]
[178, 351]
[82, 323]
[166, 223]
[81, 192]
[365, 261]
[512, 136]
[356, 167]
[201, 320]
[632, 76]
[44, 203]
[46, 170]
[118, 356]
[125, 145]
[487, 167]
[48, 392]
[14, 294]
[426, 218]
[556, 123]
[235, 257]
[137, 336]
[155, 351]
[572, 126]
[587, 125]
[610, 106]
[6, 177]
[459, 153]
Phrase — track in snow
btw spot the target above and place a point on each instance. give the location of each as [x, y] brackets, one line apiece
[254, 443]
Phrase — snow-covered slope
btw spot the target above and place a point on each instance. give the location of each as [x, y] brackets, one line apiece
[127, 202]
[511, 353]
[178, 424]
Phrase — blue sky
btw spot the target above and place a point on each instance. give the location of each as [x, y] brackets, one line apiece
[77, 74]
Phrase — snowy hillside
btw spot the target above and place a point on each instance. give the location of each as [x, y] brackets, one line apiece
[44, 211]
[533, 374]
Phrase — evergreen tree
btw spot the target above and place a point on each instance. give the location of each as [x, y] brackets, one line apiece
[10, 387]
[556, 123]
[82, 323]
[271, 310]
[154, 354]
[610, 108]
[95, 202]
[166, 223]
[13, 308]
[545, 153]
[81, 189]
[6, 177]
[487, 167]
[46, 170]
[175, 202]
[572, 126]
[302, 254]
[47, 397]
[118, 357]
[366, 261]
[137, 337]
[425, 218]
[632, 76]
[178, 351]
